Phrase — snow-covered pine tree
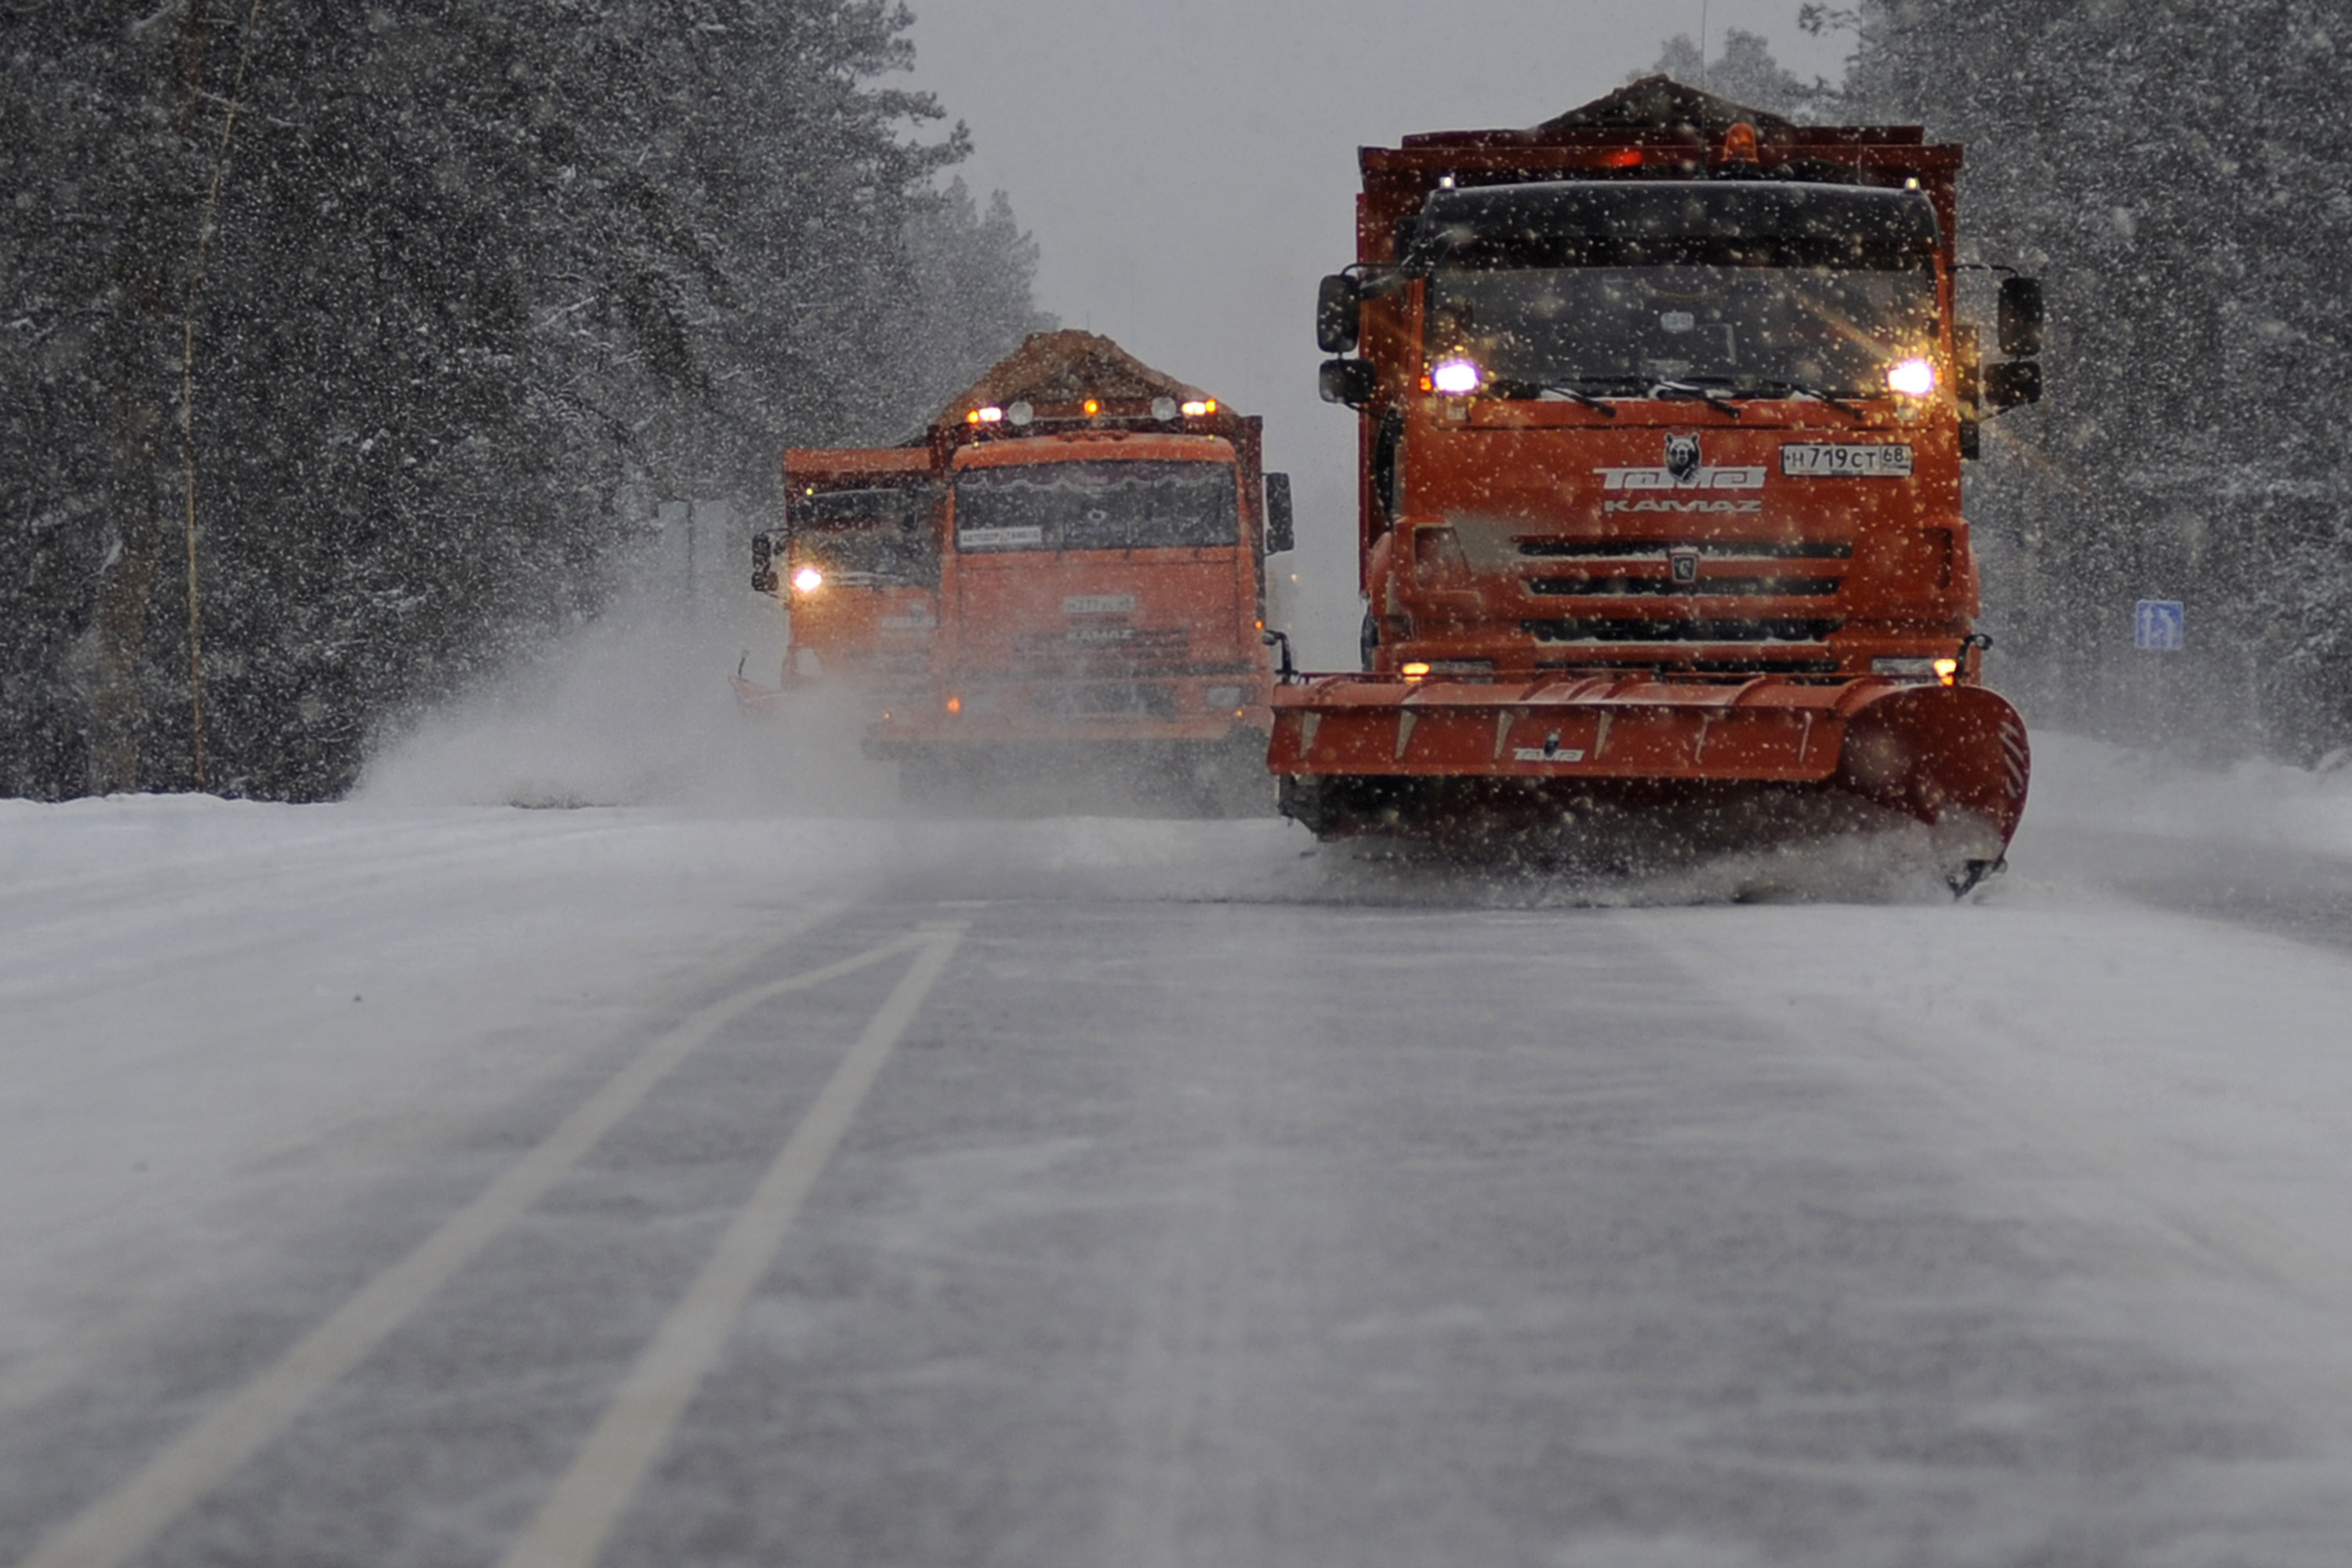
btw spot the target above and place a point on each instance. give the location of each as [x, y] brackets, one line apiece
[487, 281]
[2173, 169]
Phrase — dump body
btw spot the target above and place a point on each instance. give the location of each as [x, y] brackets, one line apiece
[1663, 407]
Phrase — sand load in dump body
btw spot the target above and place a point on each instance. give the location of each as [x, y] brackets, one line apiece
[1662, 407]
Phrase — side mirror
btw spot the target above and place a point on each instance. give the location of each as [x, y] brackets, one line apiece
[1279, 534]
[2018, 381]
[1284, 671]
[1349, 380]
[2020, 318]
[763, 563]
[1337, 303]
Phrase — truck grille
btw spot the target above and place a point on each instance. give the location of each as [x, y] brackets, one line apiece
[1610, 629]
[1731, 591]
[1106, 700]
[1761, 664]
[1654, 550]
[1101, 648]
[1628, 585]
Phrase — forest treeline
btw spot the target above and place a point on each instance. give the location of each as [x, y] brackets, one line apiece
[2175, 171]
[428, 308]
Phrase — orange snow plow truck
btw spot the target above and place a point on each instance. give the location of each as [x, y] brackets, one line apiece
[1083, 571]
[858, 557]
[1661, 411]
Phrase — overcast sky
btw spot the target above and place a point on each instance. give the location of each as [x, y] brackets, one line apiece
[1188, 169]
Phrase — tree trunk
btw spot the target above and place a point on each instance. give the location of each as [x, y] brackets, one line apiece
[149, 261]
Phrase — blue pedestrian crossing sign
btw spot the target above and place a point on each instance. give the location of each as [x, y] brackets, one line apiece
[2159, 624]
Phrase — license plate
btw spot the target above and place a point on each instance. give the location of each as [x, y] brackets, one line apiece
[1026, 538]
[1824, 460]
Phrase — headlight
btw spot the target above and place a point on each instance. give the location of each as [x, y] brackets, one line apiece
[807, 580]
[1454, 377]
[1911, 377]
[1944, 671]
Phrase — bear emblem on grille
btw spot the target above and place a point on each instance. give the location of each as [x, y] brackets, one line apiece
[1682, 457]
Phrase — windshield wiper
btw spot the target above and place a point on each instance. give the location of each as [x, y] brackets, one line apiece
[1578, 394]
[1692, 389]
[1573, 393]
[1796, 388]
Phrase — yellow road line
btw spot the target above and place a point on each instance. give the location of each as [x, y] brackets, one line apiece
[127, 1519]
[579, 1514]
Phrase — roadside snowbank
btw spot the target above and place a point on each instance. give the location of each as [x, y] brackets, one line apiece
[2091, 785]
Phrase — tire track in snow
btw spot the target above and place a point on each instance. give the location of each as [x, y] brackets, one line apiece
[127, 1519]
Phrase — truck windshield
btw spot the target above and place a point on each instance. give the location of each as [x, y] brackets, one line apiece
[864, 538]
[1627, 328]
[1097, 506]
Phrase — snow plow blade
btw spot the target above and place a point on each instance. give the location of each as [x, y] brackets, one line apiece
[1688, 765]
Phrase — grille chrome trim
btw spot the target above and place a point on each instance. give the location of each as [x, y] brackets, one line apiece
[1597, 631]
[1622, 584]
[1659, 549]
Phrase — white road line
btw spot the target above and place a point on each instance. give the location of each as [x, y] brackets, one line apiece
[572, 1525]
[127, 1519]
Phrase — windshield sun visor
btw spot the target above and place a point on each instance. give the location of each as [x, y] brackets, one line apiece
[1638, 223]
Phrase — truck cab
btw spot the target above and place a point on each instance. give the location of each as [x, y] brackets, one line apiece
[856, 564]
[1102, 600]
[1701, 429]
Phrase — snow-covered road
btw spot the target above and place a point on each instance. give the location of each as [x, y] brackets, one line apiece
[363, 1171]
